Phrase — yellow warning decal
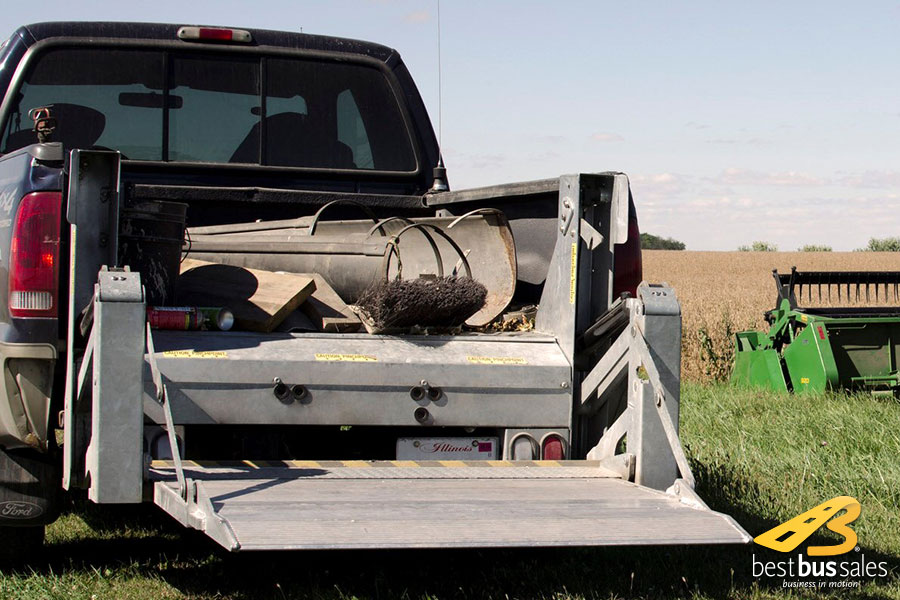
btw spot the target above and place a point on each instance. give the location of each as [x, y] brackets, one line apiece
[347, 357]
[496, 360]
[804, 318]
[573, 269]
[804, 380]
[194, 354]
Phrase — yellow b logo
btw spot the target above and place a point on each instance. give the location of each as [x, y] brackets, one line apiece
[790, 534]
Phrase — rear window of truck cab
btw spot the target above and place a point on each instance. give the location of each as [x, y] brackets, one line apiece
[242, 109]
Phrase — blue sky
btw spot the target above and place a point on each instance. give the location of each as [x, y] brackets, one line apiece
[767, 121]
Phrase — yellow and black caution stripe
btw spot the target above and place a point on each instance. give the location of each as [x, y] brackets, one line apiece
[369, 464]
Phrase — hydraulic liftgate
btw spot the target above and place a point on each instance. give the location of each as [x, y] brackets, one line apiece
[393, 504]
[634, 488]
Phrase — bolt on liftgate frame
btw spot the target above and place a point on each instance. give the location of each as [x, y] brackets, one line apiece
[624, 384]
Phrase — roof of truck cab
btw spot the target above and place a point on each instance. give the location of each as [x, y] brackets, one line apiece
[167, 32]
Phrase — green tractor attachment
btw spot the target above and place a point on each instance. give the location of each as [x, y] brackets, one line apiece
[814, 349]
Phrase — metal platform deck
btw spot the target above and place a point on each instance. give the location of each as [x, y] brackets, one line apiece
[390, 505]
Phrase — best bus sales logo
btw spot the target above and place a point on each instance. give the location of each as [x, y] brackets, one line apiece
[787, 536]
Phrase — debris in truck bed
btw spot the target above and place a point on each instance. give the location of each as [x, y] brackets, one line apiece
[327, 311]
[511, 322]
[260, 300]
[190, 317]
[297, 322]
[349, 252]
[423, 302]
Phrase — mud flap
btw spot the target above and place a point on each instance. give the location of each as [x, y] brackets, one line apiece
[29, 489]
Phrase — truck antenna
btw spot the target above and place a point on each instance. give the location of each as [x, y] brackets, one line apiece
[439, 172]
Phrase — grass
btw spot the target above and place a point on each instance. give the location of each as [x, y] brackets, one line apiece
[757, 456]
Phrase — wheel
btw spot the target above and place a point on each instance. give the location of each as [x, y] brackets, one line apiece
[20, 543]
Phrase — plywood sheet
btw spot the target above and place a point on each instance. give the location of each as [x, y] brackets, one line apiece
[327, 311]
[260, 300]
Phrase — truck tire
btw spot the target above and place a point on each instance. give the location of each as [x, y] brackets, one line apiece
[20, 543]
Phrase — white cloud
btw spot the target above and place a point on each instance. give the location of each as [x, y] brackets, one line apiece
[734, 176]
[871, 179]
[659, 186]
[731, 141]
[605, 136]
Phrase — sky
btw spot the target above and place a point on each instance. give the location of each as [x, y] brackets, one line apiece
[735, 122]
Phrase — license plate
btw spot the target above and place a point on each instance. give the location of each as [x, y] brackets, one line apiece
[448, 448]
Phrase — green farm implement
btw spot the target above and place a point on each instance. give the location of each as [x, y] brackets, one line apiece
[827, 347]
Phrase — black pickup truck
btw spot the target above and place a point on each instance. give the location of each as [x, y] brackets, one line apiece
[242, 126]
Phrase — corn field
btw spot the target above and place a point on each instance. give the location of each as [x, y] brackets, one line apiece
[725, 292]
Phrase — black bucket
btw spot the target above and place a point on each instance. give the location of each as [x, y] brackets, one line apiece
[150, 240]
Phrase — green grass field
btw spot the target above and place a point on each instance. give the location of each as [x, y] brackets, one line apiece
[760, 457]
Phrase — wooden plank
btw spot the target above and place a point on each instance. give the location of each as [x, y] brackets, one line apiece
[260, 300]
[328, 311]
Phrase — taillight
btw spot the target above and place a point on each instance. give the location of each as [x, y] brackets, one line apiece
[34, 256]
[628, 269]
[214, 34]
[553, 448]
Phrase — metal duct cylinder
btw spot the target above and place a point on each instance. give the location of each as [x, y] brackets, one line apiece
[352, 255]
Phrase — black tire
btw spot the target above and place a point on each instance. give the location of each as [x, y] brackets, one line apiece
[20, 543]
